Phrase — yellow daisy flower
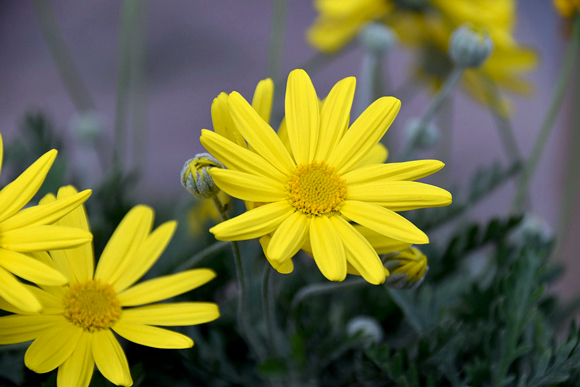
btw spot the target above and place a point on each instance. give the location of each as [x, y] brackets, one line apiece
[567, 8]
[313, 189]
[74, 330]
[30, 229]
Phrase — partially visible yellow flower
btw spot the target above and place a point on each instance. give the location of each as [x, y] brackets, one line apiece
[567, 8]
[31, 229]
[74, 330]
[408, 268]
[203, 212]
[311, 191]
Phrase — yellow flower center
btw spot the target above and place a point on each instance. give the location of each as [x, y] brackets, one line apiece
[316, 189]
[92, 305]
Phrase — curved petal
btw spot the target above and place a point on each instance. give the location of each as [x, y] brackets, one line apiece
[147, 254]
[16, 294]
[182, 313]
[46, 213]
[21, 328]
[223, 124]
[36, 238]
[327, 248]
[288, 237]
[77, 370]
[248, 187]
[408, 170]
[259, 134]
[51, 303]
[52, 347]
[382, 244]
[1, 152]
[359, 252]
[126, 239]
[400, 195]
[383, 221]
[30, 269]
[152, 336]
[302, 116]
[378, 154]
[254, 223]
[110, 358]
[285, 266]
[165, 287]
[238, 158]
[16, 194]
[263, 97]
[364, 133]
[335, 117]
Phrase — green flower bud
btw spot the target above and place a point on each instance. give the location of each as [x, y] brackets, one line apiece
[469, 47]
[377, 38]
[425, 137]
[196, 178]
[407, 268]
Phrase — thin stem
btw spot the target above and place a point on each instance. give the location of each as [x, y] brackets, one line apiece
[279, 12]
[268, 310]
[548, 123]
[318, 289]
[209, 251]
[370, 81]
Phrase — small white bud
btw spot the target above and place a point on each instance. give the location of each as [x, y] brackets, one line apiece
[469, 47]
[196, 178]
[87, 126]
[377, 38]
[368, 326]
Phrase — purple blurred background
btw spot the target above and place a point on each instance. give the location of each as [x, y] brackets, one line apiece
[196, 49]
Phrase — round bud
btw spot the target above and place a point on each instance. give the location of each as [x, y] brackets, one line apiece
[407, 269]
[469, 47]
[87, 126]
[196, 178]
[369, 327]
[377, 38]
[423, 136]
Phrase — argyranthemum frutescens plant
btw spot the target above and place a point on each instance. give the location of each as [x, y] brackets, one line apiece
[74, 330]
[32, 229]
[311, 192]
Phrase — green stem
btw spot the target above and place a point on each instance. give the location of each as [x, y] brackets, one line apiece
[279, 12]
[242, 304]
[318, 289]
[209, 251]
[268, 310]
[548, 123]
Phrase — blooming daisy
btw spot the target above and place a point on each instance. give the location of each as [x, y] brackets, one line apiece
[31, 229]
[314, 189]
[74, 330]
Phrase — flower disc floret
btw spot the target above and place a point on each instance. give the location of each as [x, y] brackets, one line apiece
[316, 189]
[92, 305]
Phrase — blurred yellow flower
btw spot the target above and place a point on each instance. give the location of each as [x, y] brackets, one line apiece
[73, 331]
[31, 229]
[311, 190]
[567, 8]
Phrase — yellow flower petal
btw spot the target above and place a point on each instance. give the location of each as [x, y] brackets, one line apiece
[378, 154]
[165, 287]
[383, 221]
[35, 238]
[364, 133]
[1, 152]
[45, 214]
[381, 243]
[289, 237]
[223, 124]
[152, 336]
[409, 170]
[359, 252]
[148, 253]
[327, 248]
[400, 195]
[335, 116]
[77, 370]
[259, 134]
[21, 328]
[51, 303]
[30, 269]
[238, 158]
[285, 266]
[127, 238]
[254, 223]
[16, 194]
[52, 347]
[110, 358]
[302, 116]
[263, 97]
[183, 313]
[16, 294]
[248, 187]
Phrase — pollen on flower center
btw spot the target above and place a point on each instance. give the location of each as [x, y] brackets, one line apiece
[316, 189]
[92, 305]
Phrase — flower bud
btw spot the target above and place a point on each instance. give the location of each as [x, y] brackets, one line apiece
[533, 228]
[469, 47]
[407, 268]
[377, 38]
[368, 326]
[425, 137]
[87, 126]
[196, 178]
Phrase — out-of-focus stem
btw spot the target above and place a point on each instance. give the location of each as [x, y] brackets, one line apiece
[546, 128]
[268, 310]
[279, 12]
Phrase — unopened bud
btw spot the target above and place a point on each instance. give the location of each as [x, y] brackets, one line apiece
[423, 136]
[407, 268]
[196, 178]
[369, 327]
[87, 126]
[377, 38]
[469, 47]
